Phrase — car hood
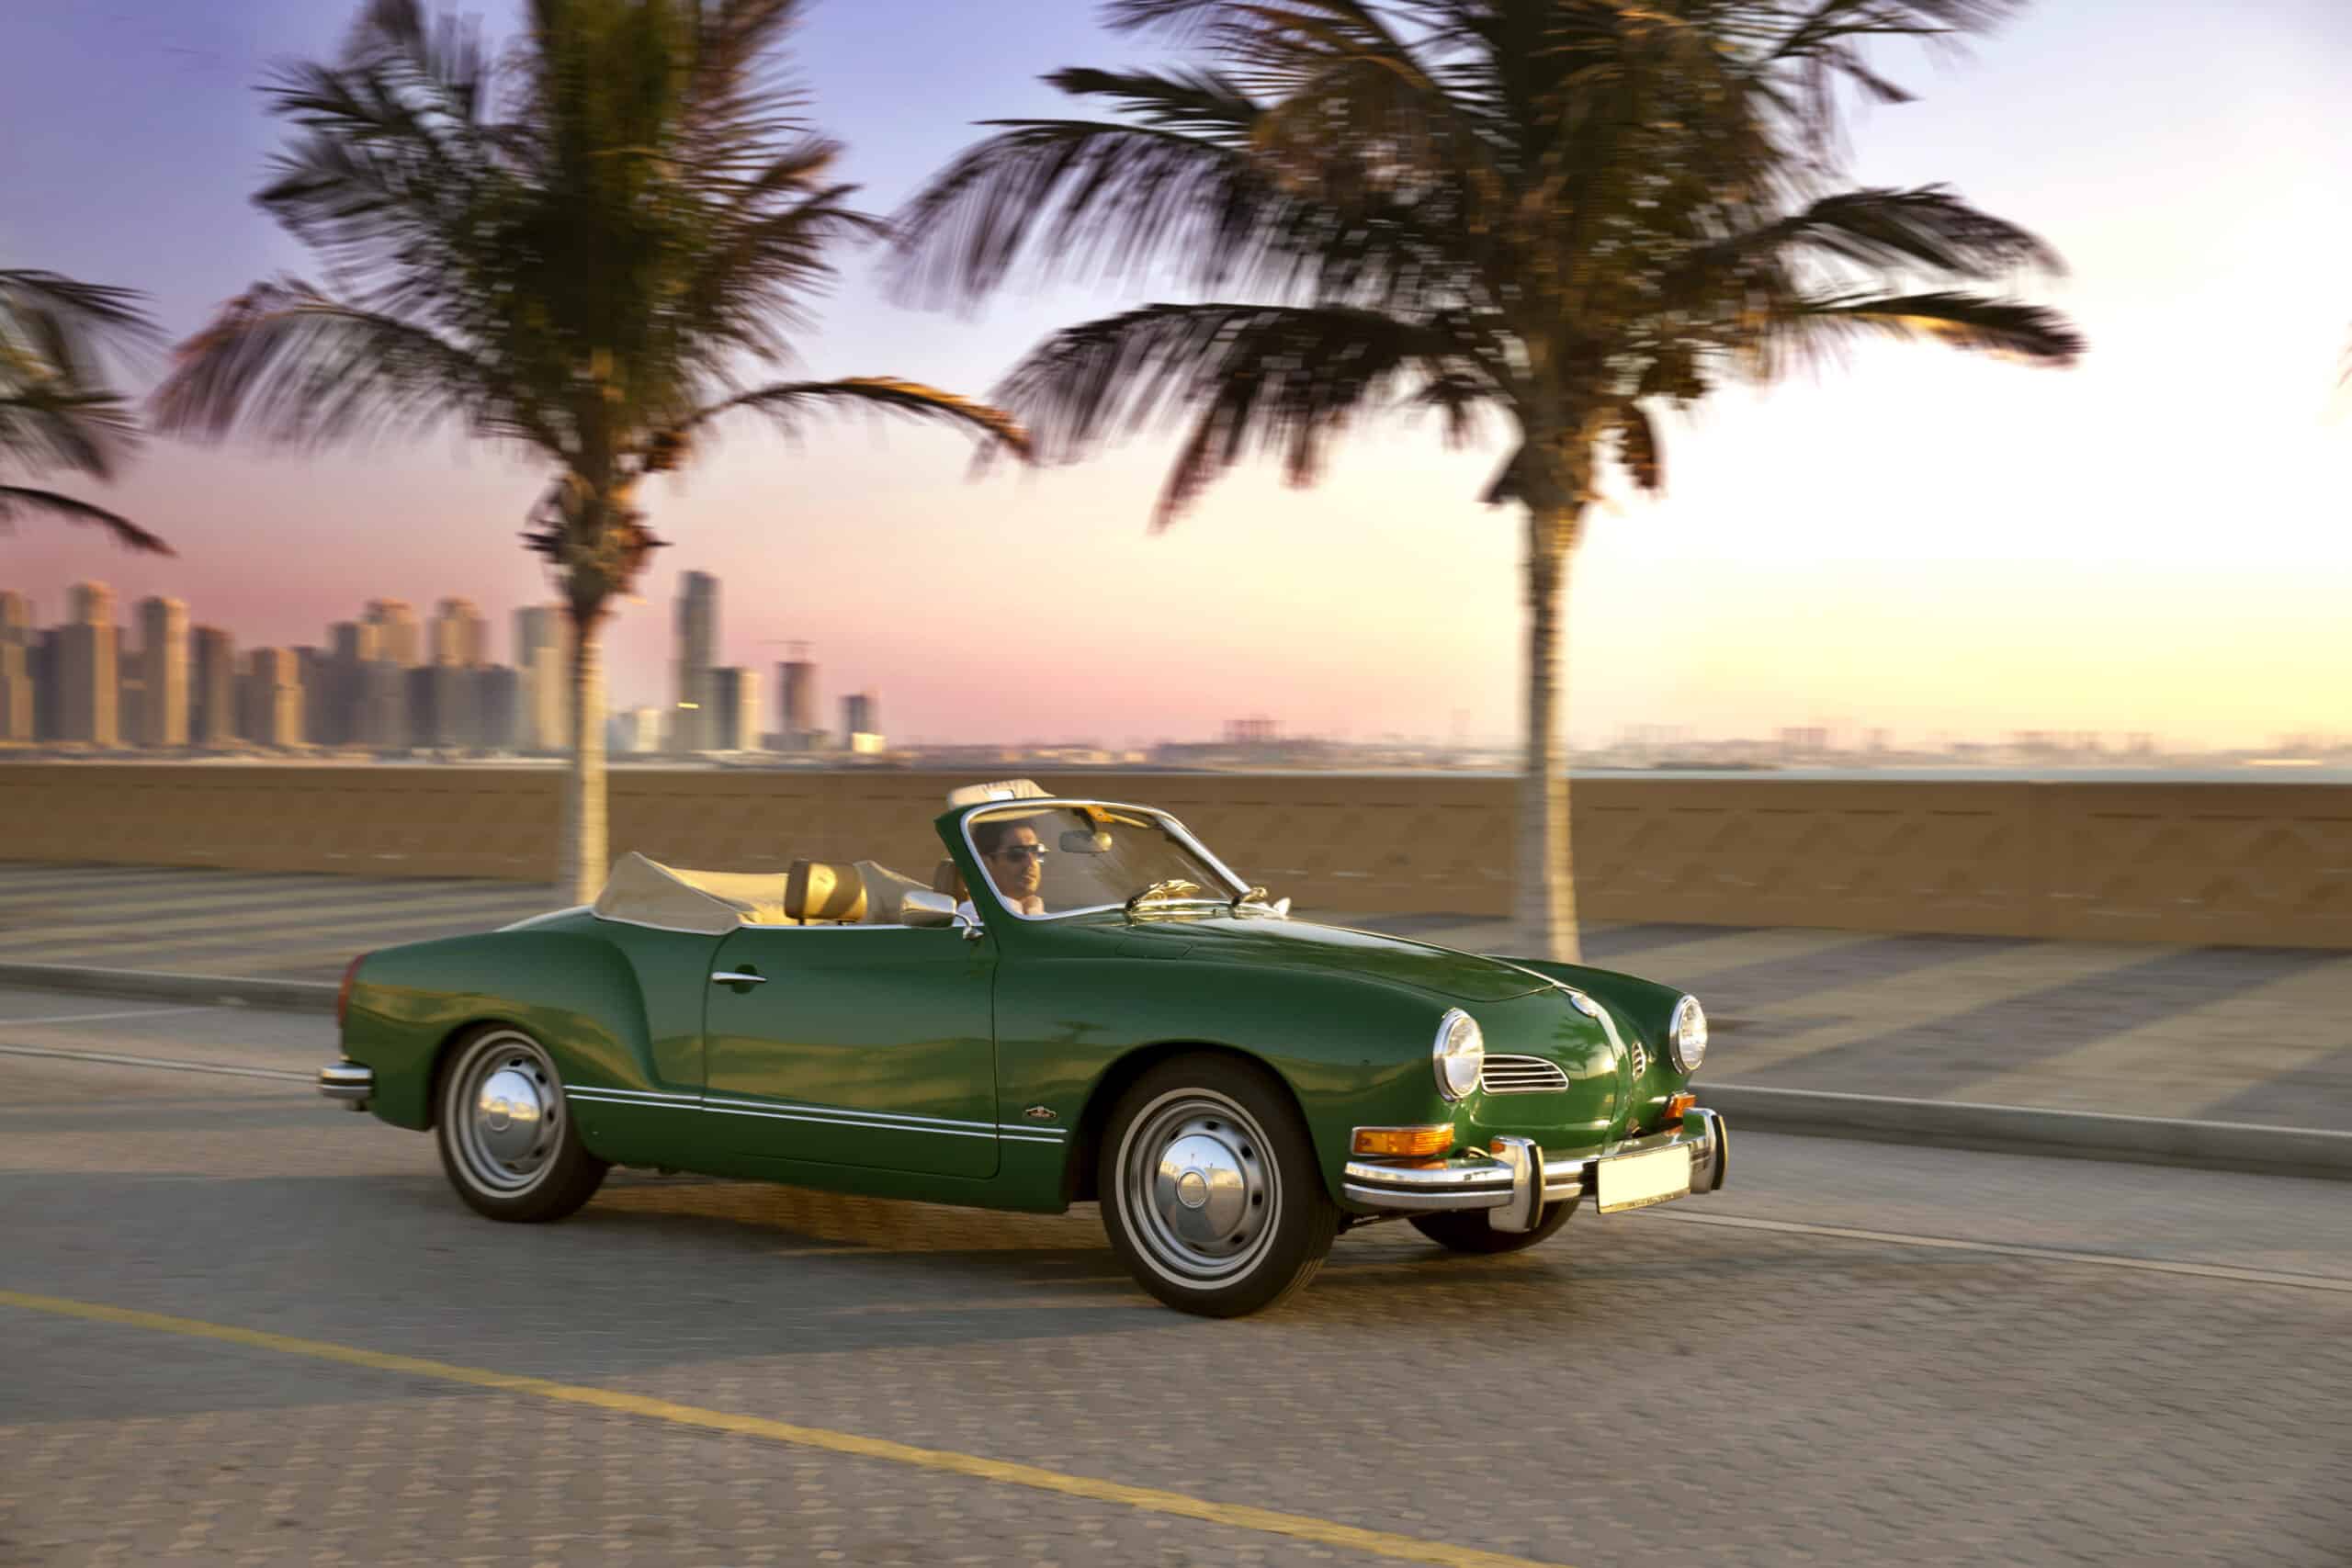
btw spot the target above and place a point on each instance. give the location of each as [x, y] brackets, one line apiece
[1303, 944]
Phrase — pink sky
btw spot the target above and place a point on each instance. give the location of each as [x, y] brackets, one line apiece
[2151, 542]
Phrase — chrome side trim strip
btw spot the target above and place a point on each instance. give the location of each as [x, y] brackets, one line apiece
[733, 1102]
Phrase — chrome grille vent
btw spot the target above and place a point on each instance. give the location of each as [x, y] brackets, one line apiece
[1641, 1056]
[1522, 1075]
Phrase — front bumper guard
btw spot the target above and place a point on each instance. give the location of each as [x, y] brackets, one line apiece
[348, 1084]
[1506, 1182]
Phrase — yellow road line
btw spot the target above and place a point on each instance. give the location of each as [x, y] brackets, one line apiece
[1150, 1499]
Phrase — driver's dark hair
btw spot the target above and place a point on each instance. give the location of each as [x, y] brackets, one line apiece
[988, 836]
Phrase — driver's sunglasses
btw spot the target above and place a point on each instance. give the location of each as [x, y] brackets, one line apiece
[1019, 852]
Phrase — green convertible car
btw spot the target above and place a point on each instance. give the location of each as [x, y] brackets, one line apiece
[1079, 1003]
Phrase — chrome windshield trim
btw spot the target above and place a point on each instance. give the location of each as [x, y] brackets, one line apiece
[1177, 830]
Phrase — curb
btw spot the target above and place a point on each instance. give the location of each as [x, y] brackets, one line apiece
[291, 995]
[2020, 1128]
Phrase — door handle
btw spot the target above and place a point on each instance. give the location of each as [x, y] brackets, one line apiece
[737, 977]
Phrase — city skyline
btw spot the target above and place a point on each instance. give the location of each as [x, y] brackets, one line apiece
[1917, 543]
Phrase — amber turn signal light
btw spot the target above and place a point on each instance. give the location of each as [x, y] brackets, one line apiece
[1678, 1104]
[1406, 1143]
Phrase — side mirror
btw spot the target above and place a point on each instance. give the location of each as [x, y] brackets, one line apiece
[921, 906]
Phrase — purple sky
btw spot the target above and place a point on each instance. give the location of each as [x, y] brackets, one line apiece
[2151, 542]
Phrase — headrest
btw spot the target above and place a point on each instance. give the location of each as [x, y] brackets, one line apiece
[945, 878]
[816, 891]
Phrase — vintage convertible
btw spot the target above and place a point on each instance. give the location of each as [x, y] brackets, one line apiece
[1082, 1003]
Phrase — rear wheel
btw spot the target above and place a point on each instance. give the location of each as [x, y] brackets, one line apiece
[1466, 1230]
[1209, 1187]
[508, 1141]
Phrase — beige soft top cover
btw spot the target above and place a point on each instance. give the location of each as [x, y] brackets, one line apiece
[648, 893]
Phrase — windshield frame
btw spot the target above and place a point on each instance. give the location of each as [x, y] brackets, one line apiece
[1175, 828]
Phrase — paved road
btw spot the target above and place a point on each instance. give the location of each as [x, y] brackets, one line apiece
[1858, 1353]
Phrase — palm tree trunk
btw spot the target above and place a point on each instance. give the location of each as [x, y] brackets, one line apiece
[1545, 903]
[582, 859]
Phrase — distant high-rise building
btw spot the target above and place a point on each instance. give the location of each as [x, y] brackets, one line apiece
[795, 680]
[543, 658]
[696, 654]
[402, 639]
[273, 697]
[321, 721]
[736, 697]
[16, 672]
[498, 707]
[382, 720]
[859, 717]
[638, 731]
[461, 637]
[87, 686]
[212, 716]
[444, 709]
[352, 646]
[162, 659]
[42, 660]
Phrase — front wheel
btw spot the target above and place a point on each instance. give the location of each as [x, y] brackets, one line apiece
[507, 1142]
[1466, 1230]
[1209, 1187]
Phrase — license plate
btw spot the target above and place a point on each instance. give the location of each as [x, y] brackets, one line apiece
[1635, 1182]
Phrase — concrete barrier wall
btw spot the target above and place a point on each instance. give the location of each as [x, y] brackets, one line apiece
[2238, 864]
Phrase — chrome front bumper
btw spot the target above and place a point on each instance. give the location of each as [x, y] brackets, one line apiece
[347, 1083]
[1508, 1181]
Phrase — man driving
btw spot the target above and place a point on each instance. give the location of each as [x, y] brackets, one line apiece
[1014, 861]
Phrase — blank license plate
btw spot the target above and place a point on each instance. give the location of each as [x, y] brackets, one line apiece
[1634, 1181]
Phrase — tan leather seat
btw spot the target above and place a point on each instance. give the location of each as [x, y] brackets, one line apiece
[814, 890]
[945, 878]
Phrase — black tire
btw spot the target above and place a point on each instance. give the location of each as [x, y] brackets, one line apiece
[1466, 1230]
[528, 1169]
[1246, 1158]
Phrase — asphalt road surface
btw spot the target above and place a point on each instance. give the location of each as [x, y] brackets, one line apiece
[238, 1324]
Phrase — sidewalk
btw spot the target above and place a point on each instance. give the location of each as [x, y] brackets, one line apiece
[2229, 1034]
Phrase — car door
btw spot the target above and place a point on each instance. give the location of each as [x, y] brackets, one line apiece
[865, 1046]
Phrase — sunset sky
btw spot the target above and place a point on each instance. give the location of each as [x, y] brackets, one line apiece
[2154, 541]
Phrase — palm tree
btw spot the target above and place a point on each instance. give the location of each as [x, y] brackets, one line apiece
[576, 253]
[1564, 214]
[56, 410]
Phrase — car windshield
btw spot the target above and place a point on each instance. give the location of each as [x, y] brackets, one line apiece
[1056, 859]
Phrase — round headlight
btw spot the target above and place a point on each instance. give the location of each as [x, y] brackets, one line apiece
[1686, 1034]
[1459, 1055]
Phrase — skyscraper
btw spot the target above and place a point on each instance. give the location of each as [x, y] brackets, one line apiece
[87, 688]
[273, 697]
[17, 721]
[402, 637]
[796, 698]
[162, 657]
[212, 706]
[352, 646]
[858, 717]
[461, 637]
[736, 722]
[696, 654]
[543, 658]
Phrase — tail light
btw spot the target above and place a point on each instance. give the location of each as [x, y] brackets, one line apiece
[342, 992]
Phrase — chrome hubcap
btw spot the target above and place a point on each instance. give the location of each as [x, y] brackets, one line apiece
[1198, 1186]
[506, 1110]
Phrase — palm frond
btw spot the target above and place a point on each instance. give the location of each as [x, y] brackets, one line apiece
[2030, 333]
[1246, 377]
[788, 403]
[290, 365]
[14, 499]
[1929, 229]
